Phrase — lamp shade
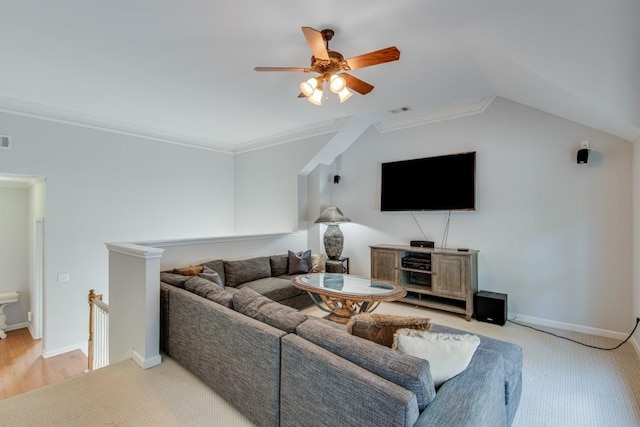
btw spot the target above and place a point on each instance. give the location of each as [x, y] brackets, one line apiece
[332, 215]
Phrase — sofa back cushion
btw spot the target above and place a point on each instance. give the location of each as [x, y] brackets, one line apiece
[246, 270]
[209, 290]
[406, 371]
[174, 279]
[252, 304]
[279, 265]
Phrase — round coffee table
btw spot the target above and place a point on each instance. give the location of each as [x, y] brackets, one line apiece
[343, 295]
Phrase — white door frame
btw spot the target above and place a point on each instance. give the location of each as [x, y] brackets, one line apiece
[35, 325]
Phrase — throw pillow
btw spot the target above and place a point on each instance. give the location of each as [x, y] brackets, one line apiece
[318, 262]
[216, 265]
[380, 328]
[299, 262]
[192, 270]
[448, 354]
[211, 275]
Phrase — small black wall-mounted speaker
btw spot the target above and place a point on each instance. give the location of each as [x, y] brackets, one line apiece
[583, 156]
[491, 307]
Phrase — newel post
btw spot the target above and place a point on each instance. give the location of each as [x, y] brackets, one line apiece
[134, 303]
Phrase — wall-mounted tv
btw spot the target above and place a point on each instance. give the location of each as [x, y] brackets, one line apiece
[442, 183]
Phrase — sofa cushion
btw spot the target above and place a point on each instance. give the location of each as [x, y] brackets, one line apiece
[174, 279]
[299, 262]
[216, 265]
[512, 356]
[247, 301]
[274, 288]
[200, 286]
[380, 328]
[212, 276]
[191, 270]
[246, 270]
[448, 354]
[406, 371]
[254, 305]
[279, 264]
[221, 296]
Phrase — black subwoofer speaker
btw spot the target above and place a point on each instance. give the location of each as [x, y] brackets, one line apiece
[491, 307]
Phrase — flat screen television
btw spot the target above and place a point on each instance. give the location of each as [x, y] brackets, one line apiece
[441, 183]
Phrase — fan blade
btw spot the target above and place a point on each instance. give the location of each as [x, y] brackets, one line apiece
[356, 84]
[374, 58]
[305, 70]
[316, 43]
[302, 95]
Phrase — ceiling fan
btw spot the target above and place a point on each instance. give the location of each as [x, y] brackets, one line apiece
[331, 66]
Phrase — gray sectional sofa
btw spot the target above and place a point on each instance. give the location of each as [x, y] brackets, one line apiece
[280, 367]
[267, 275]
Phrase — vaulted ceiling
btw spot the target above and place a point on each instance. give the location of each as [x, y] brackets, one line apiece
[184, 70]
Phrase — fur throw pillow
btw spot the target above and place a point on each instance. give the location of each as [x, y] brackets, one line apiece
[380, 328]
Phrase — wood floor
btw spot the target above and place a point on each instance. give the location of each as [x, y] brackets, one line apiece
[22, 367]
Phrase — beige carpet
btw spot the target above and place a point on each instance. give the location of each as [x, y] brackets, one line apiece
[123, 395]
[564, 384]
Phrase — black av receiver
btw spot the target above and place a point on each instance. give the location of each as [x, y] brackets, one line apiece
[417, 263]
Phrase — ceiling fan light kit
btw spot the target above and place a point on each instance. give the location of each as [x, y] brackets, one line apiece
[330, 65]
[316, 96]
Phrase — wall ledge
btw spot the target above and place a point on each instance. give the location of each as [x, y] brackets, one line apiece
[137, 251]
[208, 240]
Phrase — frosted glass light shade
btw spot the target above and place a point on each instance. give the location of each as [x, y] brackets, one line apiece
[316, 97]
[337, 83]
[309, 86]
[345, 94]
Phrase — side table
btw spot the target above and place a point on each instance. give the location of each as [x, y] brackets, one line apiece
[340, 265]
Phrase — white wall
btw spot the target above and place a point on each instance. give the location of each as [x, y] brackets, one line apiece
[552, 234]
[266, 185]
[104, 187]
[14, 251]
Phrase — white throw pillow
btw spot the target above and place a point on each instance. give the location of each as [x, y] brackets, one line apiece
[448, 354]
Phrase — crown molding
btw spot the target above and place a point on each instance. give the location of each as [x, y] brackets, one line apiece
[75, 118]
[60, 115]
[302, 132]
[448, 112]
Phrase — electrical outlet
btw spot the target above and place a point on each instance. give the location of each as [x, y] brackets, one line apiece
[29, 316]
[63, 277]
[584, 144]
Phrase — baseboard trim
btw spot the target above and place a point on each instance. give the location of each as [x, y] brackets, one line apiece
[16, 326]
[571, 327]
[146, 363]
[82, 346]
[31, 331]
